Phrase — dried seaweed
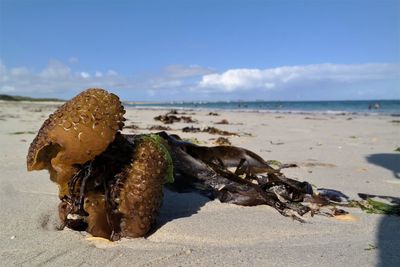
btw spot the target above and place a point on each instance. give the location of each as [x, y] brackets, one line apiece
[213, 130]
[132, 126]
[188, 119]
[167, 119]
[171, 117]
[377, 207]
[223, 121]
[390, 199]
[22, 132]
[276, 143]
[174, 112]
[116, 190]
[159, 128]
[222, 141]
[254, 181]
[370, 247]
[210, 130]
[191, 129]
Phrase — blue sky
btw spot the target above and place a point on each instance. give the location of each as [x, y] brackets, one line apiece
[202, 50]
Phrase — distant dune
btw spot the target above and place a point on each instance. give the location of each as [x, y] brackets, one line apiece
[25, 98]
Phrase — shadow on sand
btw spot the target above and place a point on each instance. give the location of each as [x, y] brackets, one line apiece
[388, 235]
[178, 205]
[389, 241]
[390, 161]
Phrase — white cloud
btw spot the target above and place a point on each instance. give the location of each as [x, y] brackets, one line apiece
[55, 70]
[282, 77]
[85, 75]
[178, 77]
[55, 79]
[18, 72]
[177, 82]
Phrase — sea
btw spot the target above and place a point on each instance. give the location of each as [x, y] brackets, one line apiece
[368, 107]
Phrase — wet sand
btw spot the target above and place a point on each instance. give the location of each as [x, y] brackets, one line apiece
[354, 154]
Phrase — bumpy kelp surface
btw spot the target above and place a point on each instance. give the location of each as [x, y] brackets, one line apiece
[78, 131]
[119, 192]
[111, 185]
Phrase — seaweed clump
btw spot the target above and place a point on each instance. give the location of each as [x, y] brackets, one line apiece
[210, 130]
[78, 131]
[111, 184]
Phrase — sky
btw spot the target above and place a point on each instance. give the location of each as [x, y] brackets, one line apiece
[202, 50]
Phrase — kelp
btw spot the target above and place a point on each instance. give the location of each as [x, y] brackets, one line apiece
[369, 204]
[132, 126]
[111, 184]
[390, 199]
[223, 121]
[170, 117]
[376, 207]
[22, 132]
[210, 130]
[167, 119]
[208, 170]
[119, 192]
[159, 128]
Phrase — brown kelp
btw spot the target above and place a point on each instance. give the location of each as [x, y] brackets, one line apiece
[108, 186]
[210, 130]
[170, 118]
[111, 184]
[118, 193]
[254, 181]
[78, 131]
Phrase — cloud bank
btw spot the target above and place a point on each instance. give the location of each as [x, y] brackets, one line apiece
[56, 79]
[182, 82]
[283, 77]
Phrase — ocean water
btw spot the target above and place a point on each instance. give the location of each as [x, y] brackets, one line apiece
[389, 107]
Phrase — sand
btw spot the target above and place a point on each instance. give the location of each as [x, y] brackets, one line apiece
[351, 153]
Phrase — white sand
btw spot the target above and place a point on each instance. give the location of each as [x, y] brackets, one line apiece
[354, 156]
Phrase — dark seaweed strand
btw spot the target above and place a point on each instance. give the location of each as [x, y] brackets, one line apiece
[81, 177]
[270, 199]
[100, 173]
[230, 182]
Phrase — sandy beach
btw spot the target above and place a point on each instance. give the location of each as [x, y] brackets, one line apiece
[351, 153]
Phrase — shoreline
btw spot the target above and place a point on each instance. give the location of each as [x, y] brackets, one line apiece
[266, 111]
[139, 105]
